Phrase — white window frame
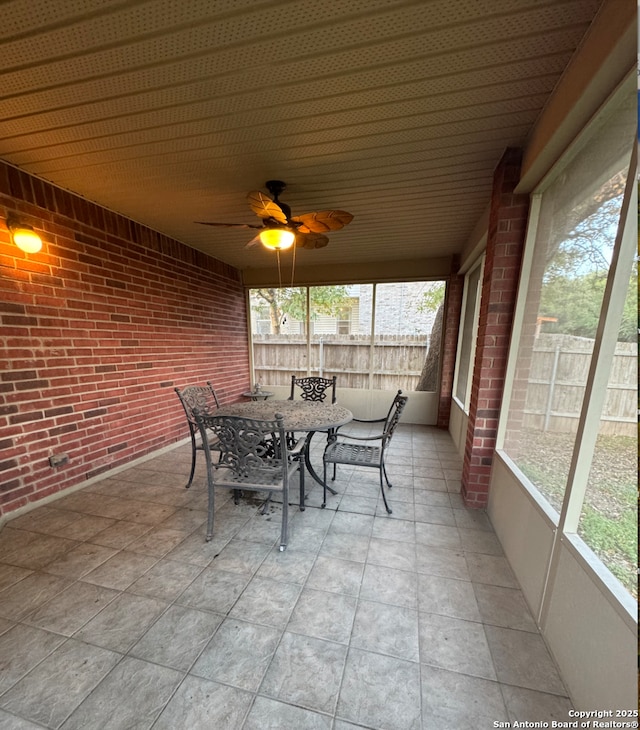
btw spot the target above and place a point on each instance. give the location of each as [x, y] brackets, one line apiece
[473, 333]
[371, 371]
[566, 523]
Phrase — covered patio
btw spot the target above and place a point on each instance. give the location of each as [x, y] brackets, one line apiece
[486, 147]
[115, 612]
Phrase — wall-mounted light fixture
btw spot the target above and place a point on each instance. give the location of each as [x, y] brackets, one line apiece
[277, 239]
[24, 236]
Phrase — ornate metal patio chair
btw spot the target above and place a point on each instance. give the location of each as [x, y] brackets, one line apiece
[205, 399]
[313, 388]
[356, 454]
[254, 456]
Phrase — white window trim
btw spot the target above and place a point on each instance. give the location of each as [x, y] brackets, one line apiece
[602, 357]
[616, 288]
[372, 344]
[474, 334]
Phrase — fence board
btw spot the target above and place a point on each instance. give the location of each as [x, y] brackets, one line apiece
[398, 360]
[559, 369]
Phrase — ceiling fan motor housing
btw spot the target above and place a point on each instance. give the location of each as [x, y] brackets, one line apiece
[275, 187]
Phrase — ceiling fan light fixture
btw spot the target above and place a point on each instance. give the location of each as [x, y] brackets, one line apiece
[277, 239]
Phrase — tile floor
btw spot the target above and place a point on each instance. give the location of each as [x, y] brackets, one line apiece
[115, 613]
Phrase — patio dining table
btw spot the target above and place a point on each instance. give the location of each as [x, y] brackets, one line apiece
[298, 416]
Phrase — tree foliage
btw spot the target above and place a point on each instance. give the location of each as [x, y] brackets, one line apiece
[429, 376]
[432, 301]
[292, 302]
[576, 273]
[576, 301]
[433, 297]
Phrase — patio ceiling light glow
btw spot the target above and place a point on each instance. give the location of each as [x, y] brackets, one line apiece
[24, 237]
[277, 239]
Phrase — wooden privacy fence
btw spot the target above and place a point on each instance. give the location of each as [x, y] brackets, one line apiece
[559, 370]
[395, 361]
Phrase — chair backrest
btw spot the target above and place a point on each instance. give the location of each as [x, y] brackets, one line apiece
[393, 417]
[200, 397]
[247, 447]
[314, 388]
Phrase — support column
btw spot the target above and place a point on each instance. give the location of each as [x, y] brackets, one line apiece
[505, 243]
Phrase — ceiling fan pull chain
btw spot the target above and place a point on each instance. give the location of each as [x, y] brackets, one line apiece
[293, 263]
[279, 271]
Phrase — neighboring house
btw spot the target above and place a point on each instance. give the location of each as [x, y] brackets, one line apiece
[398, 312]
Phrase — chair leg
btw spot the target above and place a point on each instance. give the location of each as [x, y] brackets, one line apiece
[210, 507]
[302, 494]
[384, 496]
[324, 484]
[384, 469]
[331, 437]
[193, 460]
[265, 505]
[284, 532]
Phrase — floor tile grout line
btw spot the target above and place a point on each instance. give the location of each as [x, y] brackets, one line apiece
[149, 628]
[282, 633]
[316, 553]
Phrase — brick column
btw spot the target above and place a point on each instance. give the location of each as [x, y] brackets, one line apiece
[505, 242]
[451, 325]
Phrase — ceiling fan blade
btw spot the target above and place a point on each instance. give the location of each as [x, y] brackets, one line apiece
[311, 240]
[227, 225]
[253, 241]
[264, 207]
[323, 221]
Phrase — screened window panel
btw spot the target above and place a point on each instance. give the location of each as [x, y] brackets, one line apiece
[278, 330]
[340, 321]
[468, 333]
[609, 517]
[575, 236]
[407, 335]
[336, 337]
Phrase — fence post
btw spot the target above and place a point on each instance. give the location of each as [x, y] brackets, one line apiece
[552, 387]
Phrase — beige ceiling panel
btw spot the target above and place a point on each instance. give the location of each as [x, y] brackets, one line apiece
[165, 165]
[428, 46]
[330, 140]
[205, 74]
[343, 109]
[416, 27]
[112, 44]
[395, 110]
[355, 122]
[40, 15]
[128, 108]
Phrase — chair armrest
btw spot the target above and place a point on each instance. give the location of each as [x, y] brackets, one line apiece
[377, 437]
[359, 420]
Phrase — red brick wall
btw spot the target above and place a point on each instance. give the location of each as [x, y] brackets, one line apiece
[97, 329]
[505, 242]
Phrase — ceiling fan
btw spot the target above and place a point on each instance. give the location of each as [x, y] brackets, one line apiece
[279, 229]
